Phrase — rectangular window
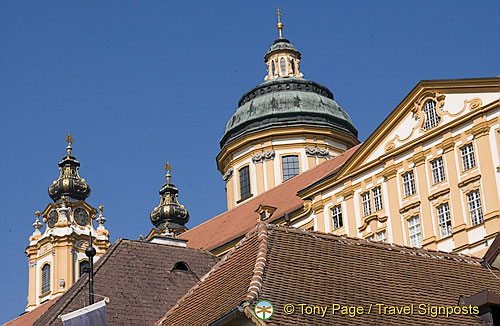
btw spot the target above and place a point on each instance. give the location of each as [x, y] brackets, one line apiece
[444, 220]
[468, 161]
[367, 207]
[371, 237]
[337, 217]
[244, 182]
[415, 231]
[377, 198]
[382, 236]
[437, 170]
[290, 166]
[46, 278]
[475, 210]
[409, 184]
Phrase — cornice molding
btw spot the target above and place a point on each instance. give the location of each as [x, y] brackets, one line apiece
[370, 218]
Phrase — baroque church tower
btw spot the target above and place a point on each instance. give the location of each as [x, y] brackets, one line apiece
[56, 255]
[282, 127]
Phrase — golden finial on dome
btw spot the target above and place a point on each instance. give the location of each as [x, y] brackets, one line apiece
[37, 214]
[280, 24]
[69, 140]
[168, 168]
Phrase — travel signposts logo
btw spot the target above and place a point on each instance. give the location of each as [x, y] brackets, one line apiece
[263, 310]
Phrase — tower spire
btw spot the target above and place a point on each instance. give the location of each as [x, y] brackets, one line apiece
[280, 24]
[69, 140]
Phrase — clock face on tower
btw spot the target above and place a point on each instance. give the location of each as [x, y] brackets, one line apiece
[52, 219]
[81, 216]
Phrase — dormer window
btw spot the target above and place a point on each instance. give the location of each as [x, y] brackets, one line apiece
[181, 266]
[265, 212]
[431, 117]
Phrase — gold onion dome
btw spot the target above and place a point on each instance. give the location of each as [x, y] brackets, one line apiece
[69, 183]
[169, 212]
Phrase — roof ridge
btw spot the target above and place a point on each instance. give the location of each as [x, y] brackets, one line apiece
[210, 272]
[381, 245]
[83, 280]
[338, 157]
[260, 263]
[166, 244]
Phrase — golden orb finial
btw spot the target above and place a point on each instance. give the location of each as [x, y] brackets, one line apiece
[37, 214]
[168, 168]
[101, 208]
[69, 140]
[280, 24]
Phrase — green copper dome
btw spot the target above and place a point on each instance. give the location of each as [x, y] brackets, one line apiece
[286, 99]
[284, 102]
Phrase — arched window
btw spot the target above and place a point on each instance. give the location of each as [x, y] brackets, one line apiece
[46, 278]
[181, 266]
[431, 117]
[293, 66]
[84, 267]
[275, 71]
[283, 66]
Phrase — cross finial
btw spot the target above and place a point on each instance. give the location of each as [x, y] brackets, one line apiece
[69, 140]
[168, 168]
[280, 24]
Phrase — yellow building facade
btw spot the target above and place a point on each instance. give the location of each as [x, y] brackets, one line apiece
[56, 255]
[427, 177]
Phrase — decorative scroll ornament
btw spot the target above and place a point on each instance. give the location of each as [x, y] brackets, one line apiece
[228, 175]
[319, 152]
[264, 156]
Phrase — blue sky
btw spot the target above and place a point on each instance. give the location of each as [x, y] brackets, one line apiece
[139, 83]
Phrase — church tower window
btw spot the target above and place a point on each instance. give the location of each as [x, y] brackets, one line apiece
[275, 71]
[84, 267]
[290, 166]
[244, 182]
[46, 278]
[431, 117]
[283, 67]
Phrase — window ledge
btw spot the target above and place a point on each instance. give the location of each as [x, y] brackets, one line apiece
[244, 198]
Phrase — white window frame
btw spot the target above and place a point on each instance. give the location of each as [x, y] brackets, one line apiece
[444, 218]
[415, 231]
[431, 117]
[337, 217]
[475, 207]
[371, 237]
[366, 203]
[437, 168]
[409, 183]
[468, 159]
[382, 236]
[377, 198]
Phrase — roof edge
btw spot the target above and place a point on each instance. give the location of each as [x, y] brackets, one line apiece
[260, 264]
[210, 272]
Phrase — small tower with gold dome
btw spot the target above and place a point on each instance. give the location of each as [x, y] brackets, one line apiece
[56, 255]
[169, 217]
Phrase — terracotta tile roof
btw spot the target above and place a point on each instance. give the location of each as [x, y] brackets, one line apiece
[30, 317]
[139, 280]
[305, 267]
[237, 222]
